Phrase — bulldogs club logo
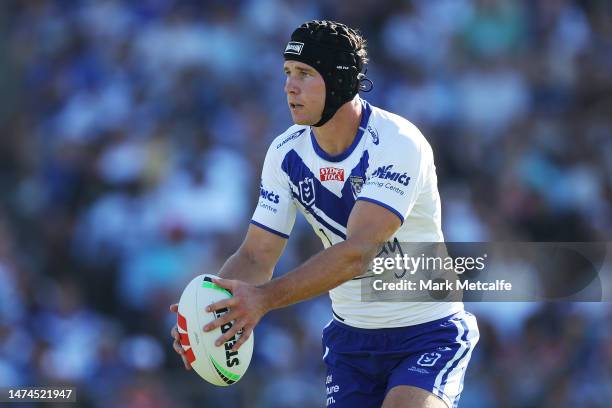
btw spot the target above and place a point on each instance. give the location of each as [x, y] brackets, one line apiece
[356, 185]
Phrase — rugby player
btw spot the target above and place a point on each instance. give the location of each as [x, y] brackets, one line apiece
[361, 176]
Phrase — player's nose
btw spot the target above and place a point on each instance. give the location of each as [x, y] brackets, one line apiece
[291, 87]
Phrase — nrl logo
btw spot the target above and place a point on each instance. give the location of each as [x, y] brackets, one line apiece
[294, 47]
[428, 359]
[356, 185]
[307, 191]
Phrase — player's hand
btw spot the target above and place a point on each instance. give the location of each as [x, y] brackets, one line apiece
[177, 344]
[246, 307]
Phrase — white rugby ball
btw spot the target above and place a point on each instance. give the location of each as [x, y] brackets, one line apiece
[217, 365]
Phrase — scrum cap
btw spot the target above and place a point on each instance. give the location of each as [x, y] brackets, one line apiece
[337, 52]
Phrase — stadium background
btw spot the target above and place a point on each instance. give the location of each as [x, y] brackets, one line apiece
[131, 140]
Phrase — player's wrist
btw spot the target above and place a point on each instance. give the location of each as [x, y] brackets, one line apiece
[269, 296]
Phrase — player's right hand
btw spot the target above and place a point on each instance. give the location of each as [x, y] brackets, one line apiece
[176, 344]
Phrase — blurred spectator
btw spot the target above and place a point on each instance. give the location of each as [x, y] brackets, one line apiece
[133, 137]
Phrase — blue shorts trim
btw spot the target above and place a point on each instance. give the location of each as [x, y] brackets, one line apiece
[363, 365]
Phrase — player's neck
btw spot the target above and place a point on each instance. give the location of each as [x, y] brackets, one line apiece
[335, 136]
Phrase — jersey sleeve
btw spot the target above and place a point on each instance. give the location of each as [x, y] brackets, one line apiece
[275, 210]
[394, 178]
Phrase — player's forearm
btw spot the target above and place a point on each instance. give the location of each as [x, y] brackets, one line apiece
[319, 274]
[241, 266]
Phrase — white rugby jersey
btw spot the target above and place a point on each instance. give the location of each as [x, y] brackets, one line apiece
[389, 163]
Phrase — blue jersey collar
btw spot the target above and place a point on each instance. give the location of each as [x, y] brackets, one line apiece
[365, 117]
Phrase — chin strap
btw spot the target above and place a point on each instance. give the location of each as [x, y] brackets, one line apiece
[365, 85]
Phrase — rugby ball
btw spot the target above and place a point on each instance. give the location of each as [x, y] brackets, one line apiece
[217, 365]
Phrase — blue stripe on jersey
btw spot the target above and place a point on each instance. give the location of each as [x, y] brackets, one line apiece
[321, 220]
[336, 208]
[367, 110]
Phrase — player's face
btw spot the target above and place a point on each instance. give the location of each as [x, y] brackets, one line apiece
[305, 91]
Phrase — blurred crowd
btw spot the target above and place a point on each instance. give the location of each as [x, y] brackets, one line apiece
[132, 138]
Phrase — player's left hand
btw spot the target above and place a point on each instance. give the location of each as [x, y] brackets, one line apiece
[246, 307]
